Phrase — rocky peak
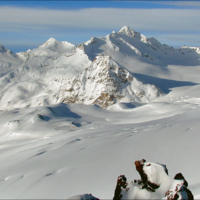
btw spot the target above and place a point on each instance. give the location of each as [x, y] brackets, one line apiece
[104, 83]
[126, 30]
[108, 68]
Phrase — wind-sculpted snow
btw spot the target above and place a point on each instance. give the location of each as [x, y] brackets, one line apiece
[104, 83]
[63, 150]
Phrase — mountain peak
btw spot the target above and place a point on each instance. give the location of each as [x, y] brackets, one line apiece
[2, 48]
[5, 50]
[50, 41]
[54, 46]
[126, 30]
[105, 83]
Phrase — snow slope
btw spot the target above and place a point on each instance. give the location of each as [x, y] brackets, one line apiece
[52, 150]
[40, 74]
[66, 150]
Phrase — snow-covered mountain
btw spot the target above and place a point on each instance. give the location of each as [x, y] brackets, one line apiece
[105, 83]
[54, 147]
[134, 46]
[47, 74]
[39, 74]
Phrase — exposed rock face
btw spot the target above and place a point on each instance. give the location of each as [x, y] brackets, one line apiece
[105, 83]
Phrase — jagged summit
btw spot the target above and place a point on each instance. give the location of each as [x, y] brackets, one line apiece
[135, 47]
[125, 30]
[104, 83]
[131, 33]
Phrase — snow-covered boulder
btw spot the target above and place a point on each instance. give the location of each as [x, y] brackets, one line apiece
[154, 184]
[104, 83]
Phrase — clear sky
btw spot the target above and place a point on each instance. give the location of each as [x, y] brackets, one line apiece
[28, 24]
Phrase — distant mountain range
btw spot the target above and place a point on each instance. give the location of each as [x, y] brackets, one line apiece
[101, 71]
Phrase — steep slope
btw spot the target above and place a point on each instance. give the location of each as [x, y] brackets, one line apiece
[105, 83]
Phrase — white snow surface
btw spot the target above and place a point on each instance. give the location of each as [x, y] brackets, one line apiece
[53, 150]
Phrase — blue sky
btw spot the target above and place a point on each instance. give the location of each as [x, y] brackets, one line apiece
[28, 24]
[77, 4]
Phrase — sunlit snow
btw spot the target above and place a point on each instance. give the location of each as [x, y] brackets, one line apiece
[53, 149]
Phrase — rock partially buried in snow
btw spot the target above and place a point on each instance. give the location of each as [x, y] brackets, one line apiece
[84, 197]
[154, 184]
[105, 83]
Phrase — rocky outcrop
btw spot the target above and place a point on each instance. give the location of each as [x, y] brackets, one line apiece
[154, 184]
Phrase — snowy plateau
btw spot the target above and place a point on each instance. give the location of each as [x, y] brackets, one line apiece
[74, 118]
